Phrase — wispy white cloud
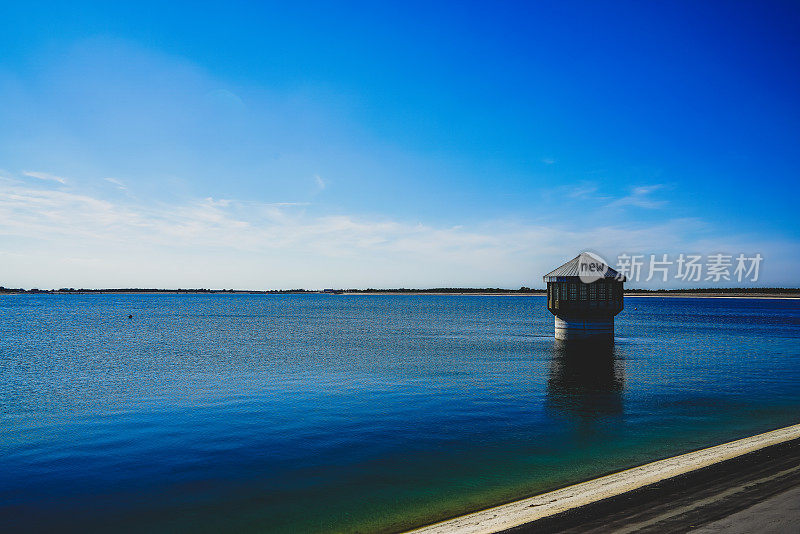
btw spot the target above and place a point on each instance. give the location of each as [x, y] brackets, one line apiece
[286, 204]
[320, 183]
[640, 197]
[119, 183]
[225, 98]
[57, 237]
[45, 176]
[583, 191]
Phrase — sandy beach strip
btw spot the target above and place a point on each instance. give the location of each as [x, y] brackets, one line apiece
[524, 511]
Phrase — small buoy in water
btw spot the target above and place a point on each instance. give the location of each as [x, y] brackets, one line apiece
[130, 316]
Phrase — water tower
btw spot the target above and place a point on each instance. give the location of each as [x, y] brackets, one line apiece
[584, 294]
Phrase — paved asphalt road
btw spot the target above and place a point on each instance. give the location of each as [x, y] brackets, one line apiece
[776, 515]
[757, 492]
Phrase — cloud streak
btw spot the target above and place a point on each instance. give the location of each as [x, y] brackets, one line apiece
[640, 197]
[119, 183]
[58, 237]
[45, 176]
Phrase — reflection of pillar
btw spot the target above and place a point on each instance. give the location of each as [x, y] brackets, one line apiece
[586, 380]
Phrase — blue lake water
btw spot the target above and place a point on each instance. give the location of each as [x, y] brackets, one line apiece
[306, 413]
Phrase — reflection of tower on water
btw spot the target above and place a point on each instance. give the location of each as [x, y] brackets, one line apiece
[586, 380]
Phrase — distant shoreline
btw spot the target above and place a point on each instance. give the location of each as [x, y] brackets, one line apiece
[635, 295]
[772, 296]
[752, 293]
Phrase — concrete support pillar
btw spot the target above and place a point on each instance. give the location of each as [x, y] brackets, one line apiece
[573, 328]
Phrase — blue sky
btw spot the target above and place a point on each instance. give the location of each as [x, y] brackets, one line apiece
[256, 145]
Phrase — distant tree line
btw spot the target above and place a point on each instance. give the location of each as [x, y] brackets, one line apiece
[150, 290]
[468, 290]
[275, 291]
[446, 290]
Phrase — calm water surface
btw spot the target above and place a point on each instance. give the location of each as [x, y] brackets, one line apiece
[305, 413]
